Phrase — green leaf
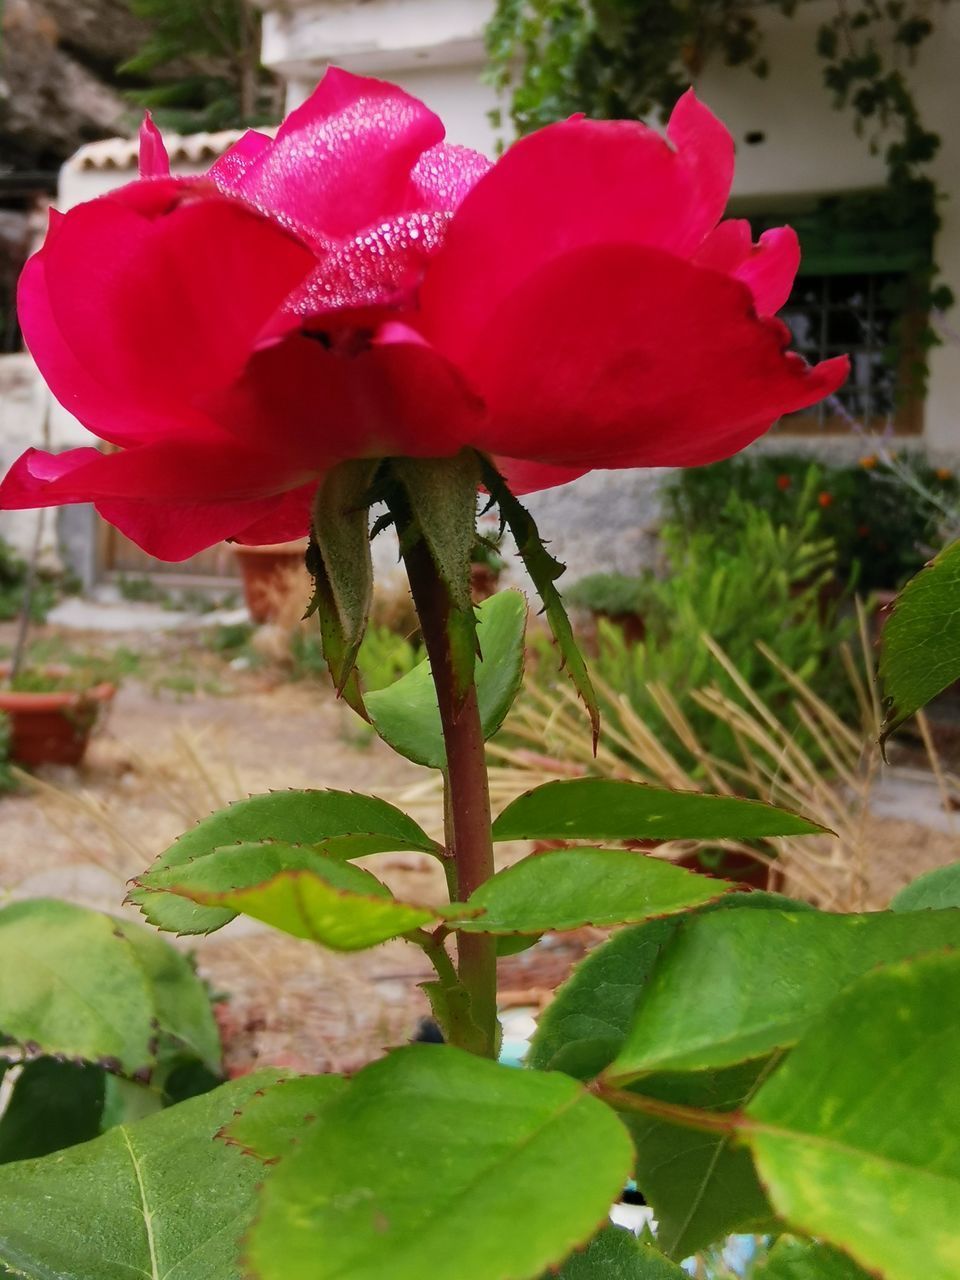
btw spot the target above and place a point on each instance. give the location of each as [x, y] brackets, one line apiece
[342, 567]
[274, 1118]
[701, 1186]
[737, 985]
[583, 1028]
[304, 893]
[78, 984]
[930, 892]
[53, 1105]
[442, 498]
[855, 1136]
[342, 824]
[616, 1254]
[568, 888]
[181, 1002]
[801, 1260]
[436, 1163]
[159, 1198]
[544, 570]
[406, 714]
[921, 639]
[608, 809]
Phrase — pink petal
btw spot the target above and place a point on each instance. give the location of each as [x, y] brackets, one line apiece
[227, 170]
[343, 160]
[172, 500]
[399, 397]
[768, 268]
[288, 518]
[176, 532]
[621, 356]
[578, 183]
[154, 161]
[145, 299]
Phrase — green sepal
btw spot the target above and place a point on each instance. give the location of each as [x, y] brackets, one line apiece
[544, 570]
[340, 561]
[440, 495]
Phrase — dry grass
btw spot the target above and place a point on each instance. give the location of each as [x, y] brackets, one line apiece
[547, 737]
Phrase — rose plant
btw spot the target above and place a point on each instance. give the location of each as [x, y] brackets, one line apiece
[356, 313]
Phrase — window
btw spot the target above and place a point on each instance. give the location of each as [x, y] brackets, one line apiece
[860, 291]
[867, 316]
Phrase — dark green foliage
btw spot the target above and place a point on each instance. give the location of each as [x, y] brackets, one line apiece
[213, 48]
[13, 578]
[883, 530]
[610, 593]
[741, 579]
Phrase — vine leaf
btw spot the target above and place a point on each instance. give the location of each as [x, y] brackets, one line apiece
[120, 1206]
[544, 570]
[269, 1124]
[585, 1024]
[416, 1167]
[701, 1186]
[78, 984]
[920, 655]
[407, 716]
[855, 1134]
[341, 824]
[934, 889]
[302, 892]
[615, 1254]
[569, 888]
[801, 1260]
[609, 809]
[779, 970]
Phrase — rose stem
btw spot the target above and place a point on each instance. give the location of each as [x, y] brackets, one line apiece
[467, 796]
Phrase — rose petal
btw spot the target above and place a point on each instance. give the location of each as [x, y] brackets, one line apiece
[154, 161]
[398, 397]
[343, 160]
[578, 183]
[625, 357]
[768, 268]
[146, 298]
[227, 170]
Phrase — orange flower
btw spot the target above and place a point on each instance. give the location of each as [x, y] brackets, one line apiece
[783, 482]
[825, 499]
[944, 473]
[869, 461]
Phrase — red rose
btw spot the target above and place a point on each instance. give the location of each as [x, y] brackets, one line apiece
[356, 287]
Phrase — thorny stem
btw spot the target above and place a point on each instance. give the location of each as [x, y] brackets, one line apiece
[467, 796]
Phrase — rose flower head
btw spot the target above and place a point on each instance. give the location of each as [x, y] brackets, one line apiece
[357, 287]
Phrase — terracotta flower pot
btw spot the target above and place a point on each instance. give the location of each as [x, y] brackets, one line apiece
[53, 727]
[275, 579]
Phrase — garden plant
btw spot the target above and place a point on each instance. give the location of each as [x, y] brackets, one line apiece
[356, 315]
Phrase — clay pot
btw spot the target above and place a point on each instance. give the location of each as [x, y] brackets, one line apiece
[276, 585]
[54, 727]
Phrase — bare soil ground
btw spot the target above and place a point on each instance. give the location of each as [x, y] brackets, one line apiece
[172, 751]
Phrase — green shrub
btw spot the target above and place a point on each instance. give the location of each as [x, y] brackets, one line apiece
[884, 529]
[746, 581]
[13, 580]
[384, 656]
[611, 593]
